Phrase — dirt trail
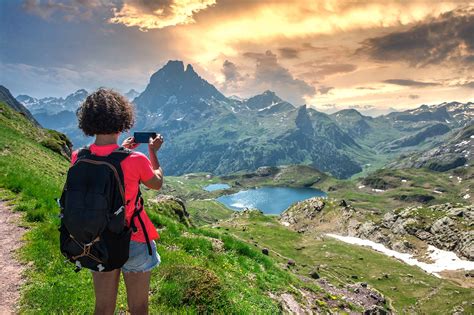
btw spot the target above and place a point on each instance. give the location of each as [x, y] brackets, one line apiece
[10, 269]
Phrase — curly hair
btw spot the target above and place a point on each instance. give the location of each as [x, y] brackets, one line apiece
[105, 112]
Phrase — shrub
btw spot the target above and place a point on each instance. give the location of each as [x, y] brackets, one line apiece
[192, 286]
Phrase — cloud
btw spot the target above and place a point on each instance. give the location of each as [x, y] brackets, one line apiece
[288, 52]
[230, 72]
[446, 38]
[318, 70]
[413, 96]
[146, 14]
[468, 85]
[68, 10]
[324, 89]
[405, 82]
[294, 52]
[269, 74]
[362, 107]
[60, 81]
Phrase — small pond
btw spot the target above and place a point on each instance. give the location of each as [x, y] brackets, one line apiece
[213, 187]
[271, 200]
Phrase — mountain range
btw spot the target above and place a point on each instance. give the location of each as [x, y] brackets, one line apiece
[207, 131]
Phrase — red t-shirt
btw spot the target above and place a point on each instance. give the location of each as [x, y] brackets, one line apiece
[136, 168]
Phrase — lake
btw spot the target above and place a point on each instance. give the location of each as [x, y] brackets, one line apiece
[213, 187]
[271, 200]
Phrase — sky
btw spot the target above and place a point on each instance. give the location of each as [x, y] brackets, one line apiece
[374, 56]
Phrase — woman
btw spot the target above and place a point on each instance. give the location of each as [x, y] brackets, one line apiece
[105, 114]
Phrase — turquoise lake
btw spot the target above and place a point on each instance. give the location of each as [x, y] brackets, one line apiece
[271, 200]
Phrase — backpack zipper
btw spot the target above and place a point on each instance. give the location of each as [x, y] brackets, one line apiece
[113, 169]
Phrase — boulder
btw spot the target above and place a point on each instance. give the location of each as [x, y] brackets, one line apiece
[314, 274]
[446, 235]
[423, 235]
[466, 245]
[389, 219]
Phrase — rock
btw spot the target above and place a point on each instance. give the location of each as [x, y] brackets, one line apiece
[389, 219]
[363, 284]
[402, 246]
[456, 212]
[446, 236]
[289, 304]
[466, 245]
[397, 228]
[291, 262]
[403, 226]
[313, 274]
[265, 251]
[411, 225]
[367, 229]
[375, 310]
[264, 171]
[423, 235]
[303, 210]
[217, 245]
[343, 203]
[355, 277]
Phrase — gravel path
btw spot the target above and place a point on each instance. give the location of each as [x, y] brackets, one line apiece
[10, 269]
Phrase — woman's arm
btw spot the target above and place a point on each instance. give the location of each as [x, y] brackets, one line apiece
[153, 146]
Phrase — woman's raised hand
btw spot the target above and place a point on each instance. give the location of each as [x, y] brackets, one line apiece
[155, 143]
[129, 143]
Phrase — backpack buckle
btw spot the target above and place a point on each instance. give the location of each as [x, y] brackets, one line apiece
[119, 210]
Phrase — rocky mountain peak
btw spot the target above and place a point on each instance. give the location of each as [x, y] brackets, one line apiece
[176, 87]
[260, 101]
[173, 66]
[190, 69]
[26, 99]
[80, 94]
[348, 112]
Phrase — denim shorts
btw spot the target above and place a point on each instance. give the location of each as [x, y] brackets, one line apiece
[139, 260]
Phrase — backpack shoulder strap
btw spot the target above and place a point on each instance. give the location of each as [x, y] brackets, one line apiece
[84, 152]
[120, 154]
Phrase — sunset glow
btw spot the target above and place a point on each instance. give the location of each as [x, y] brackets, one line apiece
[329, 54]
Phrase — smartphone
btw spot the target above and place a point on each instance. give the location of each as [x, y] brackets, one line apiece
[143, 136]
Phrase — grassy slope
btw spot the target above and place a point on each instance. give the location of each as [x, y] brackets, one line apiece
[409, 289]
[408, 182]
[195, 275]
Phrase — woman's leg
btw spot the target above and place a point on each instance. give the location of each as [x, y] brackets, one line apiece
[106, 287]
[138, 285]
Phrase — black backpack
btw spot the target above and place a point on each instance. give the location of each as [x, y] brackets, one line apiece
[93, 231]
